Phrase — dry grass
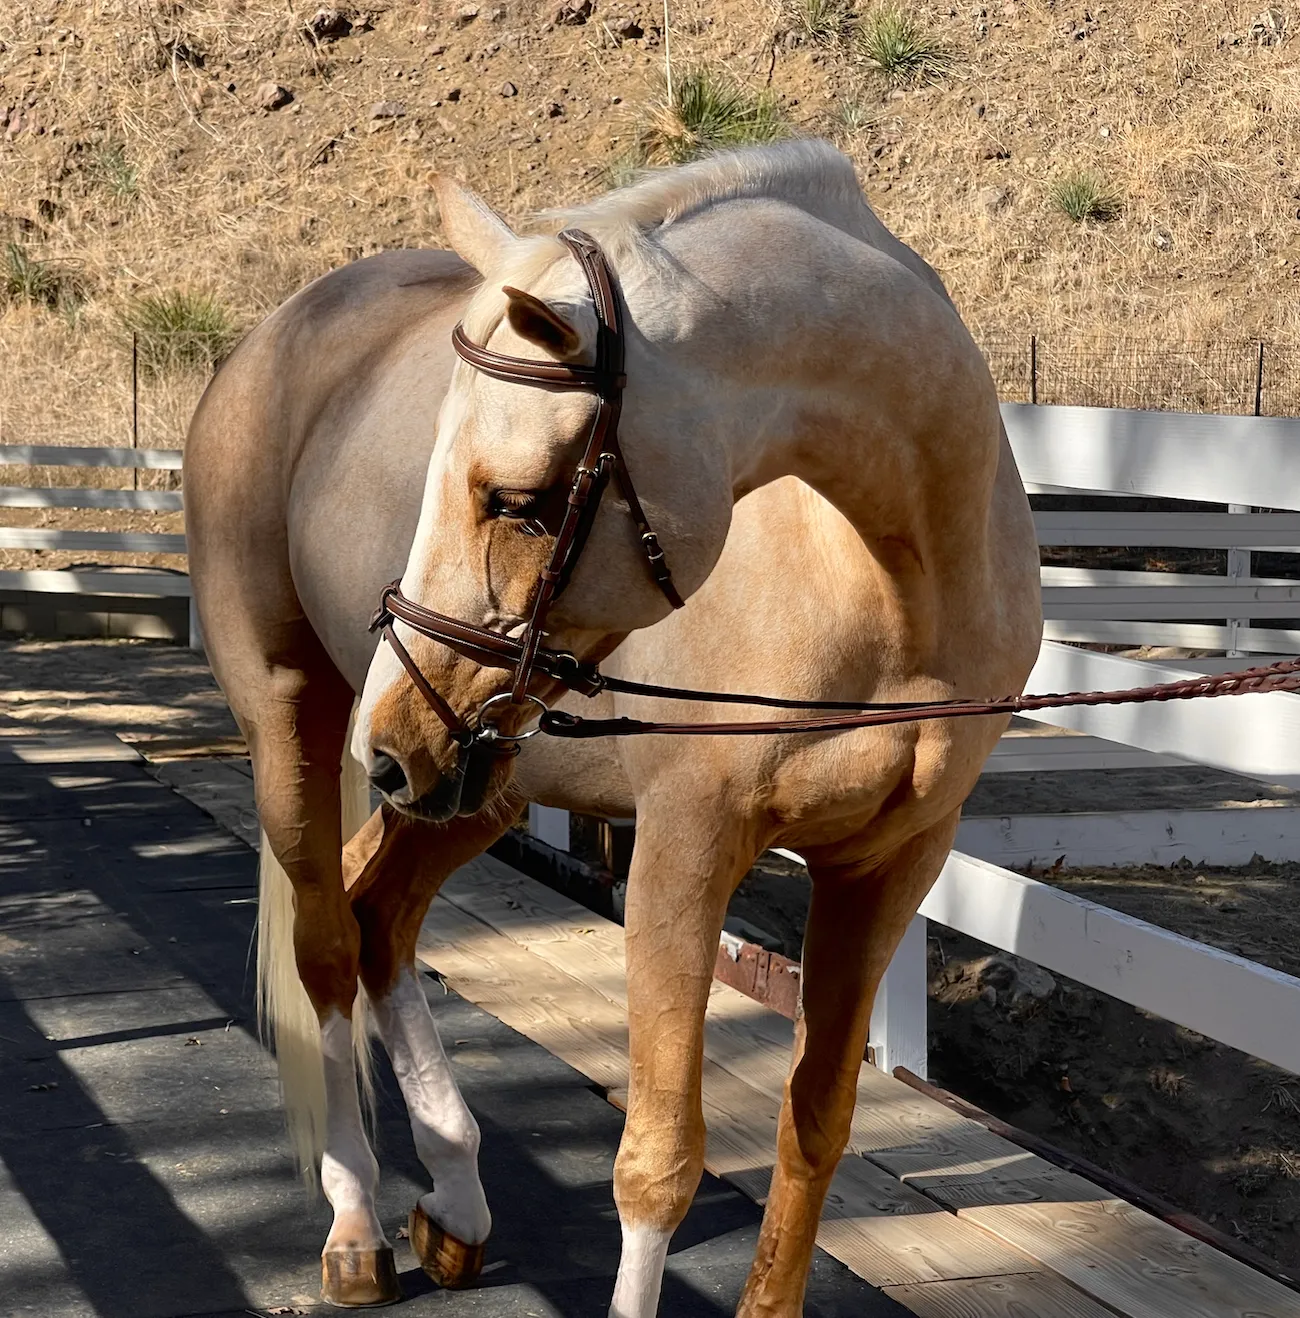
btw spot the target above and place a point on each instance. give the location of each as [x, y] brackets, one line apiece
[159, 178]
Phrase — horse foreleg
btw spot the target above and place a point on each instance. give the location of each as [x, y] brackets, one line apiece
[856, 920]
[684, 869]
[406, 865]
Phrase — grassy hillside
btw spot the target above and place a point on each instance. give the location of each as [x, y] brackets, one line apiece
[1082, 173]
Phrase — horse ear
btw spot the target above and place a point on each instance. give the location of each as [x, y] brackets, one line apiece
[477, 234]
[541, 324]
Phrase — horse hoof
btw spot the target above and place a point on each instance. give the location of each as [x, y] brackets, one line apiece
[450, 1262]
[359, 1278]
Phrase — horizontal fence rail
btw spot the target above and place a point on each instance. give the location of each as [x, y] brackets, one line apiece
[70, 455]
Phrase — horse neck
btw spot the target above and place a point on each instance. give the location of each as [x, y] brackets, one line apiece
[875, 396]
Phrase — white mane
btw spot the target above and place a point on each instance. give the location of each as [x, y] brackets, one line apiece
[809, 174]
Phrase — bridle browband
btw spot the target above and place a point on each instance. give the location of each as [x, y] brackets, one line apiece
[602, 458]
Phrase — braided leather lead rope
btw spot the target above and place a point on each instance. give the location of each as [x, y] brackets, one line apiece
[1282, 676]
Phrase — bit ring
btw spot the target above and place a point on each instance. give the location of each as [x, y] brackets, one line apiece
[489, 732]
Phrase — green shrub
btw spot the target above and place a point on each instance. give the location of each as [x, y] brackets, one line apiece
[180, 331]
[823, 22]
[855, 116]
[895, 43]
[1083, 195]
[111, 168]
[24, 278]
[625, 168]
[707, 110]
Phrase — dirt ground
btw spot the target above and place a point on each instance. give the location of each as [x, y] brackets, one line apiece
[1210, 1130]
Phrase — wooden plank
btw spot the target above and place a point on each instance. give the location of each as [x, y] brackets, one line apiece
[47, 581]
[528, 995]
[1044, 1183]
[1275, 532]
[78, 496]
[890, 1235]
[91, 542]
[741, 1036]
[1170, 455]
[1196, 636]
[1240, 1003]
[1134, 1263]
[71, 455]
[1227, 835]
[1034, 1295]
[65, 748]
[1016, 753]
[886, 1232]
[900, 1235]
[1254, 735]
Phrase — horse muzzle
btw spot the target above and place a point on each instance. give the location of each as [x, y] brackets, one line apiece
[482, 768]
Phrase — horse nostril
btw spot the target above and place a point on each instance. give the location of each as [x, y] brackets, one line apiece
[387, 774]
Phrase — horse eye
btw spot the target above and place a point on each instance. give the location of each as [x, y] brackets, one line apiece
[512, 503]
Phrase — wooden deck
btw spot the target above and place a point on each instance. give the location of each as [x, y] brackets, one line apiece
[948, 1219]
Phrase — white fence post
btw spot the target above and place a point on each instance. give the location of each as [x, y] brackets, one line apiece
[549, 825]
[196, 632]
[1238, 569]
[898, 1020]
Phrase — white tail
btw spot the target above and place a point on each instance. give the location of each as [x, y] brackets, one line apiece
[284, 1011]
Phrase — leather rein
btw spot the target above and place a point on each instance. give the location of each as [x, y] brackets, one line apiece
[602, 458]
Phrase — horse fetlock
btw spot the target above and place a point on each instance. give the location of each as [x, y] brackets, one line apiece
[458, 1204]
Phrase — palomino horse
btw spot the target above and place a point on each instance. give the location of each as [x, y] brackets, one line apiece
[816, 441]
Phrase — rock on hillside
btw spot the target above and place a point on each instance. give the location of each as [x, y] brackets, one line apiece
[241, 149]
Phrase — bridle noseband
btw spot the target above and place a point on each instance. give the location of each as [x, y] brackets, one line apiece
[601, 458]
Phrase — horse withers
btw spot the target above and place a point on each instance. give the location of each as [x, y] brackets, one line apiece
[816, 441]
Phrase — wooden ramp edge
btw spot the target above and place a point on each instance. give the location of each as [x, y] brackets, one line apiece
[945, 1217]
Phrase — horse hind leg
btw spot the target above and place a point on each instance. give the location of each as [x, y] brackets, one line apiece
[855, 922]
[308, 962]
[400, 864]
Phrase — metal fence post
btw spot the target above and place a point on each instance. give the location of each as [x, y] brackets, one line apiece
[135, 403]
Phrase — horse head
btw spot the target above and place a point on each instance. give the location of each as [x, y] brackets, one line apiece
[500, 483]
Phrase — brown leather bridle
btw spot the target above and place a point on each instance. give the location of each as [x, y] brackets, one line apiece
[602, 458]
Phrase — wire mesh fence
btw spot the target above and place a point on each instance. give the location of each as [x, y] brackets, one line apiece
[1229, 377]
[97, 389]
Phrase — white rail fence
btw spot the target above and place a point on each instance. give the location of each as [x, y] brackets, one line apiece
[1245, 463]
[1242, 462]
[98, 582]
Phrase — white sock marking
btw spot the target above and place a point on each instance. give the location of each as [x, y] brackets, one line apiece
[349, 1173]
[640, 1272]
[446, 1134]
